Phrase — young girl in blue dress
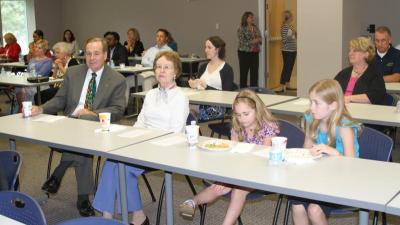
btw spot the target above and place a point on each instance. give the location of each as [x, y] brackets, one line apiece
[330, 130]
[251, 123]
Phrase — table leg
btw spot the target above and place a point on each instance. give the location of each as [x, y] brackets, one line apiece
[168, 198]
[363, 217]
[191, 70]
[38, 95]
[122, 189]
[13, 145]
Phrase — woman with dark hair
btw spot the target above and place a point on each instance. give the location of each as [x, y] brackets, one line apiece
[215, 75]
[133, 45]
[37, 37]
[249, 46]
[69, 37]
[171, 42]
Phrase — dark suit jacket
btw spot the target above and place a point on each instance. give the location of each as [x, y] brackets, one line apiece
[120, 55]
[110, 96]
[370, 83]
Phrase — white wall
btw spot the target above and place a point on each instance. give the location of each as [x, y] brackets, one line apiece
[382, 12]
[190, 21]
[319, 25]
[49, 19]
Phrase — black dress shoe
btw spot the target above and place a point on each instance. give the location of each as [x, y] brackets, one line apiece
[145, 222]
[85, 208]
[51, 185]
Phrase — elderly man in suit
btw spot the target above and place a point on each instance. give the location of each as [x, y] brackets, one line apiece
[88, 90]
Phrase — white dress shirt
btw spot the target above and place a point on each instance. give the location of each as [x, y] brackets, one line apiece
[82, 99]
[150, 55]
[165, 110]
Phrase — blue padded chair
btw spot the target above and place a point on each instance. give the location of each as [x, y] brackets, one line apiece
[10, 164]
[91, 221]
[374, 145]
[21, 207]
[295, 139]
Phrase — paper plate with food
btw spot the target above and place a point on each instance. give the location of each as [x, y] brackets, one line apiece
[299, 155]
[215, 145]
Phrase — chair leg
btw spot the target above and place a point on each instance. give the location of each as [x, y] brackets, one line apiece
[376, 216]
[160, 202]
[383, 218]
[240, 220]
[287, 212]
[49, 163]
[193, 189]
[277, 209]
[96, 178]
[212, 134]
[153, 198]
[203, 214]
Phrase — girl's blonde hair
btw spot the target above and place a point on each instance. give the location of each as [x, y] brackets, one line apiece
[330, 91]
[263, 115]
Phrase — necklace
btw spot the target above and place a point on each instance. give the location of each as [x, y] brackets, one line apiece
[360, 72]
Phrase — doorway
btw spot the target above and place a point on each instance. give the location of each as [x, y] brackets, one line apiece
[274, 61]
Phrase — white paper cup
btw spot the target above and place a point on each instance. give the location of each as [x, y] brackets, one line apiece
[105, 121]
[279, 143]
[122, 65]
[192, 134]
[27, 109]
[276, 155]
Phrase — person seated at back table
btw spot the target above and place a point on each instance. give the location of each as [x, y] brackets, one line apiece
[387, 58]
[116, 52]
[133, 44]
[62, 52]
[150, 54]
[361, 82]
[331, 131]
[37, 36]
[165, 107]
[171, 42]
[214, 75]
[69, 37]
[38, 64]
[88, 90]
[11, 50]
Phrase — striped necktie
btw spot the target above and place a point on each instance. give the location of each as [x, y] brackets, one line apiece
[91, 92]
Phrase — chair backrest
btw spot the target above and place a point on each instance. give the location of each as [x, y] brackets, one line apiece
[262, 90]
[91, 221]
[375, 145]
[295, 135]
[10, 164]
[190, 118]
[21, 207]
[389, 100]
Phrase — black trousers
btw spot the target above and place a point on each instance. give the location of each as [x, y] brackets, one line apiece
[248, 61]
[46, 95]
[288, 63]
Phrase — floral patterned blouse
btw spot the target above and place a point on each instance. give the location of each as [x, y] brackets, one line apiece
[245, 36]
[268, 130]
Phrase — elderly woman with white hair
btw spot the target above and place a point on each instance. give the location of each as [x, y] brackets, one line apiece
[63, 59]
